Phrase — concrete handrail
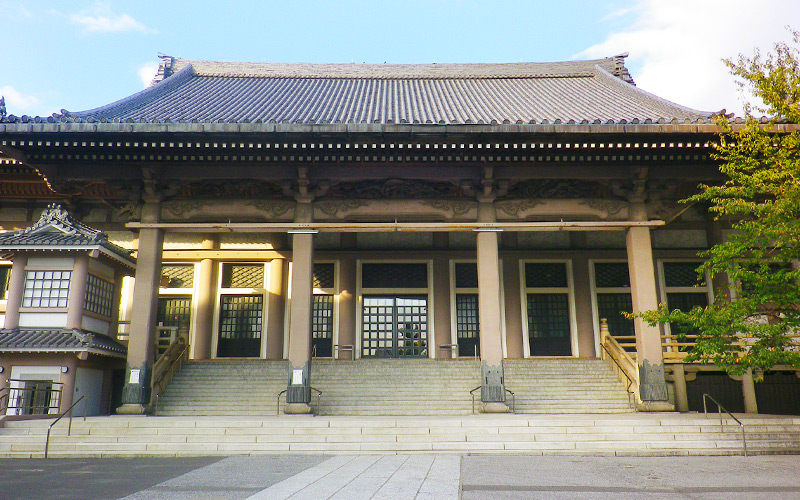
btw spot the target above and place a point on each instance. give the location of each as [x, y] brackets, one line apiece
[612, 351]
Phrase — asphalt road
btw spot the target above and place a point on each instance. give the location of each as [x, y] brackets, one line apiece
[436, 477]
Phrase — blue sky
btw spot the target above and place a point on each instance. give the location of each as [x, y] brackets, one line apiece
[83, 54]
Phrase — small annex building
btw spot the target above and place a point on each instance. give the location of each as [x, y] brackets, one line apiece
[59, 340]
[443, 211]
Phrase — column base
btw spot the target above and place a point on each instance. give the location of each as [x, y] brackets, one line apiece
[494, 407]
[132, 409]
[297, 409]
[655, 406]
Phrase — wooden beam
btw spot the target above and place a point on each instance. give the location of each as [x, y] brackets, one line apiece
[224, 254]
[387, 227]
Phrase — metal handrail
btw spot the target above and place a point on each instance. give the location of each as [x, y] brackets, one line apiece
[53, 403]
[278, 405]
[720, 409]
[629, 388]
[69, 429]
[513, 399]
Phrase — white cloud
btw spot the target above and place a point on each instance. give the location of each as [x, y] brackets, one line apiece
[677, 46]
[100, 19]
[147, 71]
[18, 103]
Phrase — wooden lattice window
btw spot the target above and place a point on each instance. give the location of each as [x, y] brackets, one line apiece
[177, 276]
[99, 296]
[243, 276]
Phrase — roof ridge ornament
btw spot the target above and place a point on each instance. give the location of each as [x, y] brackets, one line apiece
[165, 68]
[620, 71]
[56, 216]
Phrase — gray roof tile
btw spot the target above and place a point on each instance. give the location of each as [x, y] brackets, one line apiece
[57, 339]
[352, 93]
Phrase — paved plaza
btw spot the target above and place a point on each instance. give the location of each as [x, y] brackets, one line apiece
[401, 477]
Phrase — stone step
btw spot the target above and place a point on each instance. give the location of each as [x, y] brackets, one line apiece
[621, 435]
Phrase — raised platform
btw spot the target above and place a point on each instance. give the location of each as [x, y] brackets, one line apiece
[594, 435]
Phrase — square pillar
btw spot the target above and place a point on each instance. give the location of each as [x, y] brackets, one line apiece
[206, 298]
[493, 394]
[649, 356]
[77, 291]
[141, 344]
[276, 313]
[298, 394]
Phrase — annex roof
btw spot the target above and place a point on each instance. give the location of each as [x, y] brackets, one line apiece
[59, 340]
[57, 230]
[594, 91]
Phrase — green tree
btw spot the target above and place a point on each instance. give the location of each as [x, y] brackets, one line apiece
[755, 322]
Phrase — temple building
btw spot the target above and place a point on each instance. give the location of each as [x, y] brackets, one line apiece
[343, 213]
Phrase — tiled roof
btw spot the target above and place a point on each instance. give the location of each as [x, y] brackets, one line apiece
[57, 340]
[596, 91]
[56, 229]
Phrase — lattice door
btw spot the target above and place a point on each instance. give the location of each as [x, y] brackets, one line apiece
[240, 326]
[395, 326]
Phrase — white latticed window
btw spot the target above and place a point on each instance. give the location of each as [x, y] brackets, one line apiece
[46, 288]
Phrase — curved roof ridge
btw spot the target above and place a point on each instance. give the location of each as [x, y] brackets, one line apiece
[152, 92]
[393, 71]
[630, 88]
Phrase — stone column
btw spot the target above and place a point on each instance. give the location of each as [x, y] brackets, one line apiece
[515, 344]
[113, 330]
[298, 394]
[493, 394]
[441, 310]
[749, 392]
[141, 346]
[348, 314]
[206, 295]
[77, 291]
[719, 282]
[649, 356]
[679, 383]
[276, 304]
[16, 287]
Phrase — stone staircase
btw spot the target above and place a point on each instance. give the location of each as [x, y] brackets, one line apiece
[396, 386]
[225, 387]
[638, 434]
[375, 387]
[565, 385]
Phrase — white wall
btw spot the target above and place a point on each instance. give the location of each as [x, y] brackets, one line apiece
[43, 320]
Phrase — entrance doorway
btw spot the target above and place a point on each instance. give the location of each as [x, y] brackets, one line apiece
[240, 326]
[395, 326]
[548, 307]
